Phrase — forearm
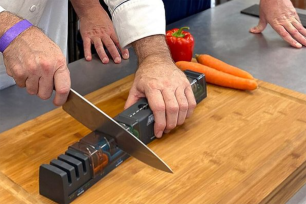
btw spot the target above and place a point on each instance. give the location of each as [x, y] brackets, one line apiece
[153, 47]
[85, 7]
[7, 20]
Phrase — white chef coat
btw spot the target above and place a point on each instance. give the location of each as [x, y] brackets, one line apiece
[132, 19]
[136, 19]
[49, 15]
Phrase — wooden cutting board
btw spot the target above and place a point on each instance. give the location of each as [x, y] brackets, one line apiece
[238, 147]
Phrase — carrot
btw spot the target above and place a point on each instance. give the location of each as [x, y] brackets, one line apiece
[222, 66]
[214, 76]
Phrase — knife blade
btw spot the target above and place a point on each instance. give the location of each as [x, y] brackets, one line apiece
[95, 119]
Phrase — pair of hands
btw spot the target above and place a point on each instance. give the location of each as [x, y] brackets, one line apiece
[40, 66]
[283, 18]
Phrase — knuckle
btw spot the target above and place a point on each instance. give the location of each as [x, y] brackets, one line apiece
[187, 84]
[44, 96]
[86, 33]
[64, 71]
[67, 70]
[283, 33]
[109, 44]
[61, 61]
[20, 84]
[63, 90]
[184, 107]
[8, 72]
[168, 83]
[46, 66]
[300, 29]
[31, 67]
[31, 92]
[159, 108]
[192, 104]
[99, 48]
[170, 126]
[151, 84]
[19, 74]
[116, 42]
[159, 126]
[97, 31]
[173, 109]
[292, 13]
[181, 122]
[294, 32]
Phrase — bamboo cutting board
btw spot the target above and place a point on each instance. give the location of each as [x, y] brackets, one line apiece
[238, 147]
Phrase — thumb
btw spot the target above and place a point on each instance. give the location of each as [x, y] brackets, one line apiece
[262, 24]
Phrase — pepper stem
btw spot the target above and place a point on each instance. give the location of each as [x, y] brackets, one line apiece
[179, 33]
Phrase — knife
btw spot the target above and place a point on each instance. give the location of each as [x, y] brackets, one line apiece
[95, 119]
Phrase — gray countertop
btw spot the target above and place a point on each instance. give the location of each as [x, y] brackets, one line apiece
[221, 31]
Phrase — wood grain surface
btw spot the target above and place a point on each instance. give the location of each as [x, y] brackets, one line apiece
[238, 147]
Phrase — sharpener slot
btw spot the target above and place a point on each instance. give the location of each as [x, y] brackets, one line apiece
[73, 162]
[70, 171]
[81, 157]
[59, 179]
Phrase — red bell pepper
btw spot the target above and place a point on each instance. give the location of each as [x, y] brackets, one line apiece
[180, 43]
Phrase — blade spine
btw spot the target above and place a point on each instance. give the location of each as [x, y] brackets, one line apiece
[111, 119]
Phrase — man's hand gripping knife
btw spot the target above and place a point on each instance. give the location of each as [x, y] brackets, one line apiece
[32, 59]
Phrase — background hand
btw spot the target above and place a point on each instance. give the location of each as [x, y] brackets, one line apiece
[282, 16]
[96, 28]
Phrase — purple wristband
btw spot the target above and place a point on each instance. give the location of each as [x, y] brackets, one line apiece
[12, 33]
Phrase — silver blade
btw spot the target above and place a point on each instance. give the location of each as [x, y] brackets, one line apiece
[95, 119]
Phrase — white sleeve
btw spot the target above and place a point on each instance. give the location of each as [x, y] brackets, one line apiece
[1, 9]
[136, 19]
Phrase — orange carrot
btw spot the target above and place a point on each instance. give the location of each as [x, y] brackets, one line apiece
[217, 64]
[214, 76]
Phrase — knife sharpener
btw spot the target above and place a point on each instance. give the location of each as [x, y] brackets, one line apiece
[95, 155]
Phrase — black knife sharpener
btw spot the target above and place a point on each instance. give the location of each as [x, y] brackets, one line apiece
[95, 155]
